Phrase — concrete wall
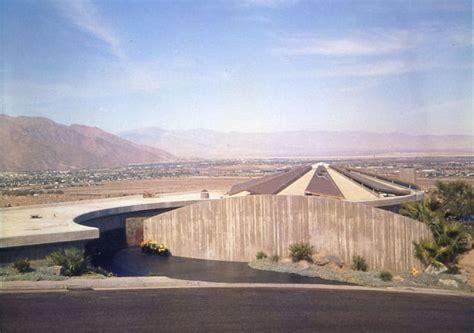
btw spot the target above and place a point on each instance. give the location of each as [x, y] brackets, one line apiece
[392, 201]
[118, 231]
[235, 229]
[134, 230]
[35, 253]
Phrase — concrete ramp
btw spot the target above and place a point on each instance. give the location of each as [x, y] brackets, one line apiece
[235, 229]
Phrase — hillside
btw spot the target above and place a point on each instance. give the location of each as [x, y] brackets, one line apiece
[30, 143]
[214, 144]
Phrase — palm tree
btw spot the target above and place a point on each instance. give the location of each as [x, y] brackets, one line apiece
[428, 252]
[450, 202]
[422, 211]
[450, 239]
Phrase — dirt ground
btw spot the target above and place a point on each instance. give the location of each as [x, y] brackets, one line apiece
[430, 183]
[123, 188]
[467, 263]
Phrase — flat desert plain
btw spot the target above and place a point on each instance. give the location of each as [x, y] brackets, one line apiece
[126, 187]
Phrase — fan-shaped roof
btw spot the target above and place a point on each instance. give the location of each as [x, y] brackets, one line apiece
[326, 181]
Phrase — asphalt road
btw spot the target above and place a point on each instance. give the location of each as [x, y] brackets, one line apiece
[223, 310]
[131, 262]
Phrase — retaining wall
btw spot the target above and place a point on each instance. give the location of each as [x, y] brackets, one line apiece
[235, 229]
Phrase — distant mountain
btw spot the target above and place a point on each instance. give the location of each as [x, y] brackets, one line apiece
[214, 144]
[29, 143]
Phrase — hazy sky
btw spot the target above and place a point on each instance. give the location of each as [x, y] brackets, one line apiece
[261, 65]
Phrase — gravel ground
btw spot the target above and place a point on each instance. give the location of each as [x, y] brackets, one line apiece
[39, 274]
[371, 278]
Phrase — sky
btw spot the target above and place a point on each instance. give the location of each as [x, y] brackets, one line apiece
[240, 65]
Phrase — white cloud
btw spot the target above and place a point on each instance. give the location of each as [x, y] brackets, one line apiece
[259, 19]
[84, 14]
[381, 68]
[371, 44]
[268, 3]
[360, 69]
[125, 75]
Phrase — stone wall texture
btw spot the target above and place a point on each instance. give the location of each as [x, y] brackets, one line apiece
[235, 229]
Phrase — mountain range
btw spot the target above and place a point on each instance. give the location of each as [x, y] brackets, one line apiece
[31, 143]
[34, 143]
[215, 144]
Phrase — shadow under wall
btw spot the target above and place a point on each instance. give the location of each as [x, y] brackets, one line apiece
[117, 232]
[392, 208]
[35, 252]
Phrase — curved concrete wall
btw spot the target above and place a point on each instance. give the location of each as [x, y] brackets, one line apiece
[235, 229]
[101, 231]
[393, 201]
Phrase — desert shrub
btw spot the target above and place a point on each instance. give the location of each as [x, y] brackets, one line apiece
[261, 255]
[72, 259]
[385, 276]
[301, 251]
[147, 194]
[22, 265]
[470, 230]
[102, 271]
[275, 258]
[453, 269]
[359, 264]
[55, 192]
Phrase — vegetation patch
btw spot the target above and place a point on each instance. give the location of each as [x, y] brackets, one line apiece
[413, 279]
[39, 274]
[301, 251]
[60, 265]
[386, 276]
[275, 258]
[261, 255]
[22, 265]
[359, 264]
[444, 212]
[72, 260]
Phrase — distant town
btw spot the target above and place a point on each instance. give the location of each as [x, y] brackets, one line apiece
[428, 169]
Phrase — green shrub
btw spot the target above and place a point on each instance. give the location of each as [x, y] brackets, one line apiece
[22, 265]
[385, 276]
[102, 271]
[275, 258]
[301, 251]
[72, 259]
[261, 255]
[453, 269]
[359, 264]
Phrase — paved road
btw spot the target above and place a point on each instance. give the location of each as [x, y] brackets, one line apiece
[222, 310]
[131, 262]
